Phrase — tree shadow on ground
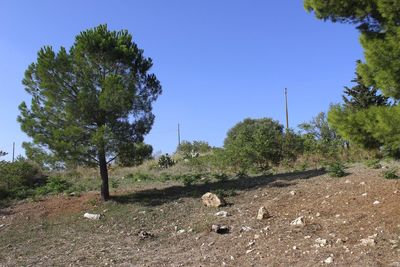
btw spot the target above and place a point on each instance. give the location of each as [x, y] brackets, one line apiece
[155, 197]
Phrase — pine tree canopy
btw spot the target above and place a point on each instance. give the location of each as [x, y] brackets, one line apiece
[90, 102]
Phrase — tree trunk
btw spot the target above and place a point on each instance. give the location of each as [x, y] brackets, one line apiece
[105, 193]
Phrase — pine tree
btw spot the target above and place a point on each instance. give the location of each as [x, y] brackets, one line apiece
[361, 96]
[91, 102]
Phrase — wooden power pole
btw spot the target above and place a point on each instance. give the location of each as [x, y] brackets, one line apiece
[13, 154]
[287, 110]
[179, 135]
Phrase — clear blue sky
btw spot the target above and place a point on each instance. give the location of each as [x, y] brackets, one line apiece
[219, 61]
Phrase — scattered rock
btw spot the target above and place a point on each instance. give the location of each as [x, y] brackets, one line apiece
[220, 229]
[370, 241]
[222, 214]
[377, 202]
[299, 222]
[249, 251]
[321, 242]
[92, 216]
[144, 235]
[263, 214]
[329, 260]
[245, 229]
[212, 200]
[181, 231]
[318, 214]
[347, 182]
[292, 193]
[364, 195]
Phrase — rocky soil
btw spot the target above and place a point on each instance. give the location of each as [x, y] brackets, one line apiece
[295, 219]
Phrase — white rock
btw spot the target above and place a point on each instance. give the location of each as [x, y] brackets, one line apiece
[318, 214]
[92, 216]
[212, 200]
[364, 195]
[298, 222]
[245, 229]
[321, 242]
[329, 260]
[221, 214]
[292, 193]
[181, 231]
[377, 202]
[370, 241]
[263, 214]
[249, 251]
[347, 182]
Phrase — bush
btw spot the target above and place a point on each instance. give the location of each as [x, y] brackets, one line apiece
[373, 164]
[16, 178]
[391, 174]
[54, 185]
[165, 161]
[337, 169]
[139, 176]
[134, 154]
[255, 144]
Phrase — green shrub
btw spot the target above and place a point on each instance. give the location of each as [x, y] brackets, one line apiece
[139, 176]
[189, 179]
[337, 169]
[165, 161]
[373, 164]
[221, 176]
[114, 184]
[391, 174]
[18, 178]
[255, 144]
[54, 185]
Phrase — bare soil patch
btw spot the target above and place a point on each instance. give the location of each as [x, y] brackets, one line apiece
[338, 212]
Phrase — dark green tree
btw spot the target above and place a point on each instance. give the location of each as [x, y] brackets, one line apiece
[255, 143]
[379, 24]
[134, 154]
[92, 101]
[361, 96]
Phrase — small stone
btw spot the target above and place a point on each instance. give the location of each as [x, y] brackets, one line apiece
[294, 248]
[364, 195]
[181, 231]
[329, 260]
[263, 214]
[245, 229]
[377, 202]
[221, 214]
[299, 222]
[212, 200]
[321, 242]
[347, 182]
[249, 251]
[292, 193]
[256, 236]
[92, 216]
[368, 242]
[362, 183]
[318, 214]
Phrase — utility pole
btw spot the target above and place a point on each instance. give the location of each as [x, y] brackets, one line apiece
[287, 111]
[179, 135]
[13, 152]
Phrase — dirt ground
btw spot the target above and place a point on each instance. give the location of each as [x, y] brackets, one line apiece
[349, 221]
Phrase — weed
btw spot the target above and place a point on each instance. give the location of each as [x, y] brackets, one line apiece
[221, 176]
[391, 174]
[114, 184]
[337, 169]
[373, 164]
